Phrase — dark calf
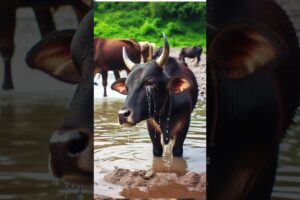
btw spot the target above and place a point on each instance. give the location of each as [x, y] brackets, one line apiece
[253, 88]
[71, 60]
[163, 92]
[191, 52]
[8, 22]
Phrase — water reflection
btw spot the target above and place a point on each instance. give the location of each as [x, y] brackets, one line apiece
[26, 123]
[287, 185]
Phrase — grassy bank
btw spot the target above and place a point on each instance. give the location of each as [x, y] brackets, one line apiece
[183, 22]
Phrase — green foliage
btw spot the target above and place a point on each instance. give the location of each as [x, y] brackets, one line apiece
[183, 22]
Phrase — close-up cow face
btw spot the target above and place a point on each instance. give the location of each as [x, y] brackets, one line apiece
[147, 88]
[68, 56]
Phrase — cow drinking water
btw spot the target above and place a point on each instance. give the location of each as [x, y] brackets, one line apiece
[164, 93]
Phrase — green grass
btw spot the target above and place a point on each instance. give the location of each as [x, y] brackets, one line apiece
[183, 23]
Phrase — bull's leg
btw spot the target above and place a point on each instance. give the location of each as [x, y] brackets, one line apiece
[155, 136]
[7, 30]
[198, 60]
[178, 146]
[45, 20]
[117, 74]
[104, 82]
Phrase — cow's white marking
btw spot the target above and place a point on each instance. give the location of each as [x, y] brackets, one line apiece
[64, 136]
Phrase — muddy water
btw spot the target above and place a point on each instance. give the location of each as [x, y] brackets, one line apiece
[26, 123]
[131, 148]
[28, 116]
[287, 185]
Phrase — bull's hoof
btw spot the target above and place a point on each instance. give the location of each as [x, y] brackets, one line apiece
[105, 95]
[177, 152]
[7, 86]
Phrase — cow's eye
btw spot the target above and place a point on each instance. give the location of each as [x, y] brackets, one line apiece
[150, 82]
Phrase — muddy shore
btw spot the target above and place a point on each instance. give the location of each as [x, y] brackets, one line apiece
[145, 184]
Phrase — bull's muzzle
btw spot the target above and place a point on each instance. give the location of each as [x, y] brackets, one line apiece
[71, 155]
[125, 117]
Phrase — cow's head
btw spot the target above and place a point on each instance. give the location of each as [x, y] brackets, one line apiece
[148, 87]
[146, 51]
[68, 55]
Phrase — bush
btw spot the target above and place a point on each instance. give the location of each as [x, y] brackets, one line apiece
[183, 22]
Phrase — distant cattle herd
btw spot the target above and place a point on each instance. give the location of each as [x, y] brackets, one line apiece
[108, 55]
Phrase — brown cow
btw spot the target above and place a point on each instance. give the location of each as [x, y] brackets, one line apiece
[253, 92]
[108, 56]
[44, 18]
[147, 49]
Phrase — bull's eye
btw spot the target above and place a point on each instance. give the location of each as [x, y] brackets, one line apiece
[150, 82]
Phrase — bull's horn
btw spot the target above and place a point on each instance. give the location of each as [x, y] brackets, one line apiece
[127, 60]
[162, 59]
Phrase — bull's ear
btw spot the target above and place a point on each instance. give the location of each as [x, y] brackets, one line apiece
[119, 86]
[242, 49]
[53, 56]
[178, 85]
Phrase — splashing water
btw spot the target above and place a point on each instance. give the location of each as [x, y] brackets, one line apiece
[80, 195]
[72, 187]
[168, 119]
[67, 191]
[151, 97]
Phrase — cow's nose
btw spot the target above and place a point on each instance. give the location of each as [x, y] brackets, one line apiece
[124, 115]
[70, 155]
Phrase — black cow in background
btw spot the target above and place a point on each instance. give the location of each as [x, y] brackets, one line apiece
[164, 92]
[68, 56]
[191, 52]
[253, 92]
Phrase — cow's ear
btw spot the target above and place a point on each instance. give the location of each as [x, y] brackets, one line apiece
[178, 85]
[53, 55]
[242, 49]
[119, 86]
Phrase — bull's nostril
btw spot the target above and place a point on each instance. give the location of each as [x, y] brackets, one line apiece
[78, 144]
[127, 113]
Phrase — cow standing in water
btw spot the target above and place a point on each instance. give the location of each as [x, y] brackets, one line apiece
[253, 92]
[108, 57]
[191, 52]
[45, 22]
[164, 92]
[68, 56]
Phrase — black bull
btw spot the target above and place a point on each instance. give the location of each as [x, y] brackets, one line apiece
[253, 91]
[191, 52]
[68, 55]
[164, 92]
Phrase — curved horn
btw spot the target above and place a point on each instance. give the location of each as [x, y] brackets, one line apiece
[162, 59]
[127, 60]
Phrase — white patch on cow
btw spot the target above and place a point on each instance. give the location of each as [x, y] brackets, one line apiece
[167, 148]
[85, 162]
[64, 136]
